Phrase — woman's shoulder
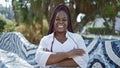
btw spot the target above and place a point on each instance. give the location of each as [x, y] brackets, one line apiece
[47, 37]
[74, 34]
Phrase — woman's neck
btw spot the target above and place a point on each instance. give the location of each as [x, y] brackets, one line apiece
[60, 34]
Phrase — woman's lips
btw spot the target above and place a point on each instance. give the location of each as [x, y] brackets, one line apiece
[60, 26]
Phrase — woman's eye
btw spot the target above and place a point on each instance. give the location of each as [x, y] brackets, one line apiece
[57, 19]
[64, 20]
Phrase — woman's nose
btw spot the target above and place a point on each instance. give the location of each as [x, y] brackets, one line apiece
[60, 21]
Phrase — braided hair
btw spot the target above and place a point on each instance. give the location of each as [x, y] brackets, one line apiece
[58, 9]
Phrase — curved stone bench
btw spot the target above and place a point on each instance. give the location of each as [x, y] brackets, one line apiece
[103, 53]
[15, 42]
[12, 60]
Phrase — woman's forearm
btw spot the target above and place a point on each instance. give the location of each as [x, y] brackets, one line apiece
[67, 63]
[56, 57]
[60, 56]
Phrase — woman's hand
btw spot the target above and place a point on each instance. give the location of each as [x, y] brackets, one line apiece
[75, 52]
[69, 62]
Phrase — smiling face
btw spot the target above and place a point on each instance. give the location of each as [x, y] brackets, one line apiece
[61, 22]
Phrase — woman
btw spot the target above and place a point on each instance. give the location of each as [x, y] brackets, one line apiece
[61, 47]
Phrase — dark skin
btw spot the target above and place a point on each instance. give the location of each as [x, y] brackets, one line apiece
[63, 58]
[61, 37]
[69, 62]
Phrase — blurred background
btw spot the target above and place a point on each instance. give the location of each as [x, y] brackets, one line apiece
[90, 18]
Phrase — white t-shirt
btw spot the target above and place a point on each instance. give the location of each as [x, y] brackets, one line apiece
[73, 41]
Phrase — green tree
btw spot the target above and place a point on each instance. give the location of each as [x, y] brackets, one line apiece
[34, 11]
[2, 23]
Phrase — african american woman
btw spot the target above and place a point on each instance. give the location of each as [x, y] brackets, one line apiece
[61, 48]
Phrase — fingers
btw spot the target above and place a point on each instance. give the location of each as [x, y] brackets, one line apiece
[79, 52]
[76, 52]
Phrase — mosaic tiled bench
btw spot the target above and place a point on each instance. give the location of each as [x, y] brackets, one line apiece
[103, 53]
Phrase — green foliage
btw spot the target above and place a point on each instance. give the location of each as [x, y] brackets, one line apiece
[24, 15]
[6, 25]
[109, 11]
[9, 27]
[33, 12]
[29, 11]
[106, 25]
[45, 27]
[32, 32]
[100, 31]
[118, 5]
[2, 23]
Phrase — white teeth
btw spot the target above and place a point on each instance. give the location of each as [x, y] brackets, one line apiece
[60, 26]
